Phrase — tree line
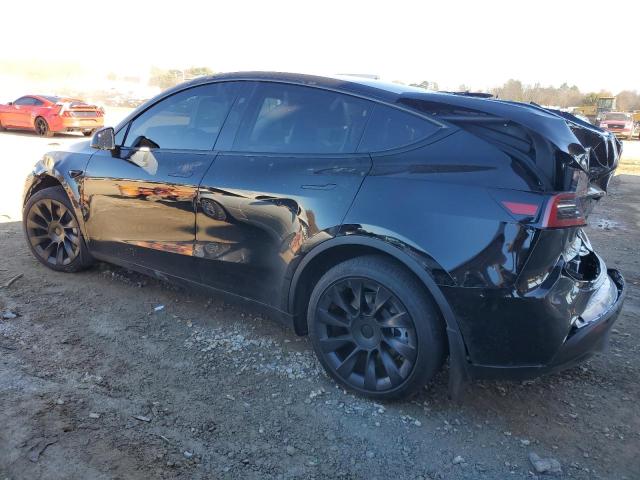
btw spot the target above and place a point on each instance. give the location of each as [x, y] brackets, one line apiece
[563, 96]
[166, 78]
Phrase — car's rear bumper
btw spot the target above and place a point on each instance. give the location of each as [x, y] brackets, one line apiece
[77, 124]
[579, 345]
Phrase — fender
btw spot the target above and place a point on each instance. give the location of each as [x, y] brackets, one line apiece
[63, 167]
[458, 365]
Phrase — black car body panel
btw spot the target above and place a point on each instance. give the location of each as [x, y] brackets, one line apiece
[265, 209]
[512, 290]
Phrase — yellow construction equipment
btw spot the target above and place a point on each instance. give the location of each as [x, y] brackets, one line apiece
[595, 112]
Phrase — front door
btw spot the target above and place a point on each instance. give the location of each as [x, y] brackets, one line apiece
[20, 113]
[284, 183]
[140, 200]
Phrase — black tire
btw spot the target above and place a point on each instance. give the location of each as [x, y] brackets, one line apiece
[388, 344]
[53, 232]
[89, 133]
[42, 127]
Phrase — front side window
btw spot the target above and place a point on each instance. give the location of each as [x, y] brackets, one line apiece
[187, 120]
[119, 138]
[294, 119]
[391, 128]
[24, 101]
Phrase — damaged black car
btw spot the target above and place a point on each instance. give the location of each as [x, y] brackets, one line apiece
[396, 227]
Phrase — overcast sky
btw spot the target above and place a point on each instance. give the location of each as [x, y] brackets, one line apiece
[478, 43]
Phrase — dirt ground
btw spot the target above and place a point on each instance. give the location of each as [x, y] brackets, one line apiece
[111, 375]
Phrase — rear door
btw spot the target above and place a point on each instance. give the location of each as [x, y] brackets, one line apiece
[139, 201]
[284, 177]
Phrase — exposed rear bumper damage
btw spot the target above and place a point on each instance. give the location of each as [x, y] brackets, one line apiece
[592, 333]
[589, 335]
[555, 318]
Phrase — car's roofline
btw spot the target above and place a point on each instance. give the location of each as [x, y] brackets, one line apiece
[346, 83]
[395, 94]
[45, 98]
[374, 89]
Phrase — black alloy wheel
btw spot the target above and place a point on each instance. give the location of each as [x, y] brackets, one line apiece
[53, 232]
[366, 334]
[369, 338]
[42, 127]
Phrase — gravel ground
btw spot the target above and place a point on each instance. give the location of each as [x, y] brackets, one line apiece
[108, 374]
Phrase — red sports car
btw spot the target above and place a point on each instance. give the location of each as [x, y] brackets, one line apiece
[48, 115]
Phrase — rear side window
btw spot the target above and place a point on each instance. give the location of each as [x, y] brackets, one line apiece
[392, 128]
[188, 120]
[295, 119]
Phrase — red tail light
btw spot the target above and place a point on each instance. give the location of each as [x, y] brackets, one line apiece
[520, 208]
[564, 210]
[66, 113]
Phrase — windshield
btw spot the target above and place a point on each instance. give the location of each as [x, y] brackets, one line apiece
[617, 116]
[605, 103]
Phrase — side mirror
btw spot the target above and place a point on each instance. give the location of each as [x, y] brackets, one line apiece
[104, 139]
[10, 103]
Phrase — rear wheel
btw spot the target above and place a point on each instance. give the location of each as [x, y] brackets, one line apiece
[42, 127]
[88, 133]
[374, 329]
[53, 232]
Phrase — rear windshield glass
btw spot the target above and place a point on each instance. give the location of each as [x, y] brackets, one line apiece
[72, 101]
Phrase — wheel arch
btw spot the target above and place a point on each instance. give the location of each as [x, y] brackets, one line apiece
[329, 253]
[41, 182]
[43, 178]
[340, 248]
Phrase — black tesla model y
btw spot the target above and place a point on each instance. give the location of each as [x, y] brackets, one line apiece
[395, 226]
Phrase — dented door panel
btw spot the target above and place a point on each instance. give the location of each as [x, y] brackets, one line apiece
[257, 214]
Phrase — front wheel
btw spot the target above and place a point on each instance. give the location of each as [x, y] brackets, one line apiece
[53, 233]
[88, 133]
[374, 329]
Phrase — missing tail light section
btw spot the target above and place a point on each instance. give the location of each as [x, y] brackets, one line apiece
[584, 267]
